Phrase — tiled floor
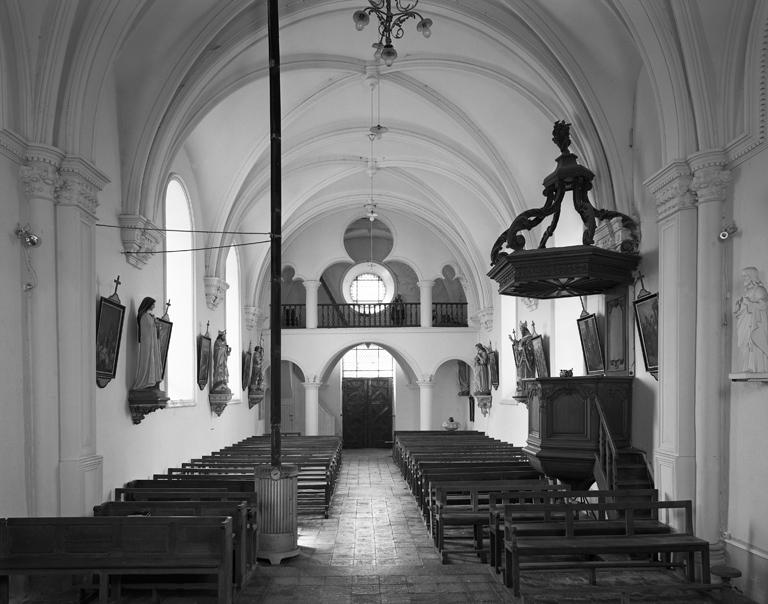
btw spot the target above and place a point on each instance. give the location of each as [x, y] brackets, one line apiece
[374, 547]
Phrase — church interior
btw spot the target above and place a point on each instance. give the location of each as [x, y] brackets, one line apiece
[539, 221]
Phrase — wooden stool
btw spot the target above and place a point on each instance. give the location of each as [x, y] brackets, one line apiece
[726, 573]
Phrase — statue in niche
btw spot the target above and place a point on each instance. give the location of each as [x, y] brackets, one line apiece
[481, 375]
[220, 371]
[751, 311]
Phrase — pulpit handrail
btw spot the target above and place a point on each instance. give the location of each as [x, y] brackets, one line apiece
[606, 454]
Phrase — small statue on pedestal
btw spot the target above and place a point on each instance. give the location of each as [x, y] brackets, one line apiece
[220, 394]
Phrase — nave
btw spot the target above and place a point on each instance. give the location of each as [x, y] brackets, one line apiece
[374, 547]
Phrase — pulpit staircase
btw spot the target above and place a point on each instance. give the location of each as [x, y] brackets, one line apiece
[619, 468]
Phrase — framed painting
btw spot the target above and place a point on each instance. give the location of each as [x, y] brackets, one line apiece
[539, 357]
[246, 371]
[203, 360]
[164, 327]
[647, 320]
[109, 330]
[590, 344]
[616, 333]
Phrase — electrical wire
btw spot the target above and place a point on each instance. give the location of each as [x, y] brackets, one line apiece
[198, 249]
[145, 228]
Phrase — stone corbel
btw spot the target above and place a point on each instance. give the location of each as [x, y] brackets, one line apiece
[215, 291]
[253, 318]
[140, 239]
[484, 318]
[483, 401]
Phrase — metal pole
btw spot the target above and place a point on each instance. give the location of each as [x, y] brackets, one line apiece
[276, 227]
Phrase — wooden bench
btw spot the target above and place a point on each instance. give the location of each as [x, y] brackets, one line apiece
[112, 547]
[244, 526]
[463, 503]
[556, 494]
[573, 541]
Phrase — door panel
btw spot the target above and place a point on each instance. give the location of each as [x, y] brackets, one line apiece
[367, 412]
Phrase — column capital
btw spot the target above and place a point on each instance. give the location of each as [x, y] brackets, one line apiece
[79, 185]
[426, 283]
[215, 291]
[312, 384]
[140, 237]
[671, 186]
[426, 382]
[311, 284]
[710, 178]
[39, 173]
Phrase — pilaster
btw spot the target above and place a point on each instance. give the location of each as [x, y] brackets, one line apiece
[80, 468]
[311, 407]
[39, 176]
[675, 448]
[710, 183]
[310, 287]
[426, 390]
[425, 301]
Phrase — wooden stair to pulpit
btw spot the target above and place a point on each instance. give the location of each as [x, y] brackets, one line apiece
[579, 432]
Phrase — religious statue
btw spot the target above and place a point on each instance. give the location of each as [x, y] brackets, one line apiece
[220, 371]
[481, 376]
[525, 362]
[256, 387]
[751, 312]
[149, 368]
[145, 395]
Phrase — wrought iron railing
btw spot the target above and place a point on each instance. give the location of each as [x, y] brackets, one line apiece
[403, 314]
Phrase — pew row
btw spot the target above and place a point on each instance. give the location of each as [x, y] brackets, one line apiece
[113, 547]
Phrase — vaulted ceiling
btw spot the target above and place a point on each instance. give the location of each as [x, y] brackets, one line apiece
[469, 111]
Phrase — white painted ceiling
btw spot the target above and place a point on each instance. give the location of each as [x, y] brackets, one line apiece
[469, 113]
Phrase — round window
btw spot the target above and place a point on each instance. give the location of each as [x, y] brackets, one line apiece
[368, 286]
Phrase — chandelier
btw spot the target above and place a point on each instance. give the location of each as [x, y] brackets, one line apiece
[390, 24]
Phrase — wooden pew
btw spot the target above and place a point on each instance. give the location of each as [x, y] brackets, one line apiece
[112, 547]
[463, 503]
[244, 526]
[526, 548]
[558, 494]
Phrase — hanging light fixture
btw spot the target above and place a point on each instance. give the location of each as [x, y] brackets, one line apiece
[390, 24]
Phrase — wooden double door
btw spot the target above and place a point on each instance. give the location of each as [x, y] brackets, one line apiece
[366, 407]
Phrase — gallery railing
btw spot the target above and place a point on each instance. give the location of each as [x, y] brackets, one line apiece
[405, 314]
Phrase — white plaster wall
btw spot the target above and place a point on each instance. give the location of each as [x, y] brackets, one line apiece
[748, 485]
[167, 437]
[13, 451]
[406, 403]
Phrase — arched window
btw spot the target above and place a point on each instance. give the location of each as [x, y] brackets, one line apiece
[232, 318]
[179, 277]
[367, 360]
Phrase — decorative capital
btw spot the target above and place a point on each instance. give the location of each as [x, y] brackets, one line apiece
[40, 173]
[426, 381]
[215, 291]
[140, 238]
[710, 179]
[671, 187]
[79, 185]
